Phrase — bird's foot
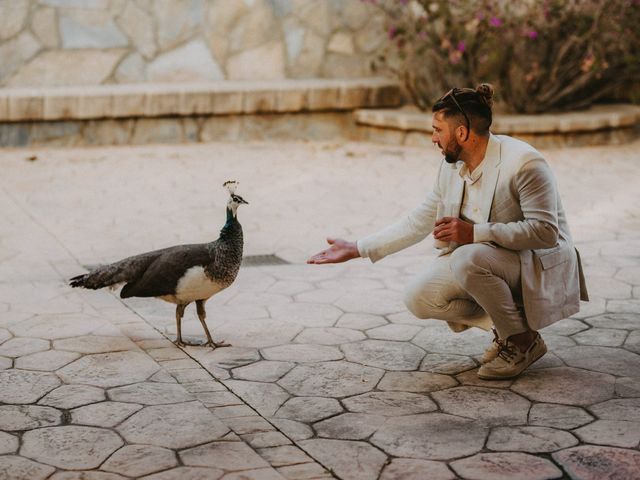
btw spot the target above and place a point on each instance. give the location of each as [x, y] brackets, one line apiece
[182, 343]
[221, 343]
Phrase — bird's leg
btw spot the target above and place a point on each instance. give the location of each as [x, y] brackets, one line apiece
[179, 313]
[202, 315]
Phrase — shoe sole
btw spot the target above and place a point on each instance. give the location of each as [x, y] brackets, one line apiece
[503, 377]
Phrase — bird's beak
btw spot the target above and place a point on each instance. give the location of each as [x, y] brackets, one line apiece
[245, 202]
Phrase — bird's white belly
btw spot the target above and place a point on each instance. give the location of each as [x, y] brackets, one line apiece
[194, 285]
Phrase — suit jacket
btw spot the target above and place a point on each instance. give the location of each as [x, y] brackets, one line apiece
[522, 211]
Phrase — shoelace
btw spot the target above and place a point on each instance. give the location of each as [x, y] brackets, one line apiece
[507, 352]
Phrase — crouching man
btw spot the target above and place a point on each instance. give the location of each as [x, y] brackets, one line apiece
[507, 258]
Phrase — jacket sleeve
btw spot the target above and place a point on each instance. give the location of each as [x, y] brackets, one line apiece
[411, 229]
[535, 188]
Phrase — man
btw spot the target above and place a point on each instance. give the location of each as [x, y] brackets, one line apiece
[508, 251]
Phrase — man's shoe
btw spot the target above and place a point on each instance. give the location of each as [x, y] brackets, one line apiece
[493, 350]
[511, 362]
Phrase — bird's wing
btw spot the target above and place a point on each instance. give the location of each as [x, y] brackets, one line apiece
[161, 276]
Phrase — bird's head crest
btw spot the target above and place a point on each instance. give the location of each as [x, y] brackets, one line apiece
[230, 185]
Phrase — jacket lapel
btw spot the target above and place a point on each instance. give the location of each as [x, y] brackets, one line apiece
[490, 173]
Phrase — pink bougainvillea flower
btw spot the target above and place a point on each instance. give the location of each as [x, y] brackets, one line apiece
[391, 33]
[403, 2]
[532, 34]
[461, 47]
[495, 22]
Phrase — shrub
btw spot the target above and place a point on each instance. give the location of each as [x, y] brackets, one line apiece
[542, 55]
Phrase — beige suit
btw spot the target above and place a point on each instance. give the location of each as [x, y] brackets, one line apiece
[522, 211]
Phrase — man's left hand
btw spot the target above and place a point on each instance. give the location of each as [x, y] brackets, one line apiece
[452, 229]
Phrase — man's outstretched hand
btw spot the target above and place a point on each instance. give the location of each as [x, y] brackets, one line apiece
[339, 251]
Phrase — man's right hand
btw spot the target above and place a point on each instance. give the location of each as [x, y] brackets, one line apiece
[339, 251]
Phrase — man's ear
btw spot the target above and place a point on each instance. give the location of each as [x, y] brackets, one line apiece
[461, 133]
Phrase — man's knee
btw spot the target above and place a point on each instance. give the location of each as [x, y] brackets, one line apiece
[467, 261]
[413, 300]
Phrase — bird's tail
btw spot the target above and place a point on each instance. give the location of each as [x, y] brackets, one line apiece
[78, 281]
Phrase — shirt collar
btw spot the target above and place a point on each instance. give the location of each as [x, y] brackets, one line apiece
[471, 177]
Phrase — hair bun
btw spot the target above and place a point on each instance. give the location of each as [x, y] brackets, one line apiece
[485, 90]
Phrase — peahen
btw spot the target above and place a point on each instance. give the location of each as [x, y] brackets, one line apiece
[182, 274]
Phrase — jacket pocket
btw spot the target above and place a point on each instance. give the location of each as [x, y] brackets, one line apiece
[549, 258]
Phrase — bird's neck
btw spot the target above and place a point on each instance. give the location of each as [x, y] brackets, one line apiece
[232, 225]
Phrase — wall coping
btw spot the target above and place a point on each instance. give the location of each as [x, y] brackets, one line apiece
[598, 117]
[185, 99]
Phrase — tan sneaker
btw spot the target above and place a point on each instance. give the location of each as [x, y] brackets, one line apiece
[493, 350]
[511, 362]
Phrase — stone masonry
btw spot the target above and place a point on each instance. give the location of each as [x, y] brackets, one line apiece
[91, 42]
[328, 375]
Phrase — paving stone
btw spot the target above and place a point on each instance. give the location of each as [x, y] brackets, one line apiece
[86, 475]
[167, 353]
[569, 386]
[139, 460]
[558, 416]
[162, 377]
[415, 382]
[412, 469]
[52, 327]
[529, 439]
[376, 302]
[191, 375]
[18, 347]
[187, 473]
[149, 393]
[633, 341]
[346, 284]
[302, 353]
[257, 334]
[264, 371]
[20, 386]
[95, 344]
[18, 468]
[568, 326]
[349, 426]
[331, 379]
[470, 377]
[360, 321]
[173, 426]
[390, 404]
[224, 455]
[431, 436]
[605, 337]
[592, 462]
[555, 342]
[624, 321]
[347, 459]
[614, 433]
[447, 364]
[309, 409]
[618, 409]
[248, 425]
[28, 417]
[228, 357]
[319, 296]
[628, 387]
[484, 404]
[400, 333]
[602, 359]
[218, 399]
[233, 411]
[71, 396]
[329, 336]
[47, 361]
[304, 471]
[264, 397]
[506, 466]
[630, 275]
[384, 354]
[109, 369]
[266, 439]
[595, 306]
[439, 339]
[550, 360]
[292, 429]
[306, 314]
[288, 287]
[284, 455]
[103, 414]
[8, 443]
[70, 447]
[4, 335]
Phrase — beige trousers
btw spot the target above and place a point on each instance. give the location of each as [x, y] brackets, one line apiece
[465, 286]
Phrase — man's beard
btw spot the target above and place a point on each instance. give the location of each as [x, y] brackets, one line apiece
[452, 156]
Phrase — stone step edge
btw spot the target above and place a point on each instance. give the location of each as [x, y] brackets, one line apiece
[185, 99]
[598, 117]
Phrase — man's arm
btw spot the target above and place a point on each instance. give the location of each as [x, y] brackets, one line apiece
[339, 251]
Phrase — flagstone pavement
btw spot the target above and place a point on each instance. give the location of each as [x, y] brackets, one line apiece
[328, 375]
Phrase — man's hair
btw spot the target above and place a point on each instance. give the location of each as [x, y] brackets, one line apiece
[475, 103]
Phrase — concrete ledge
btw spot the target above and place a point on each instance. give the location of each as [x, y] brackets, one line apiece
[599, 117]
[214, 98]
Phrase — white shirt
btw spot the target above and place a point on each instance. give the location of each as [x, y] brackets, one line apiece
[470, 210]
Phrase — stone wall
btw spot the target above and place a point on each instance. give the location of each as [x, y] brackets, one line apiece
[91, 42]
